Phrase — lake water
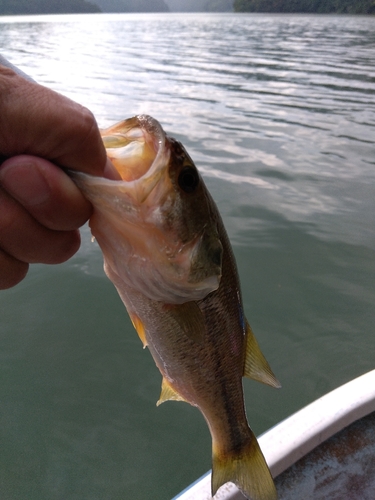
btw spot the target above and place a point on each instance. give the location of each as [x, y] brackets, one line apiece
[278, 113]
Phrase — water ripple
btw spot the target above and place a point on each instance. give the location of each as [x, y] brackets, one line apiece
[244, 93]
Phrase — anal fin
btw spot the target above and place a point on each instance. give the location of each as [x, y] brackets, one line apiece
[168, 393]
[256, 365]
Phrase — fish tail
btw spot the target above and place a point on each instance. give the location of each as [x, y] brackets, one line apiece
[246, 468]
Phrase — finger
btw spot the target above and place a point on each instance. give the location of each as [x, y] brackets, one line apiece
[38, 121]
[12, 271]
[45, 191]
[23, 238]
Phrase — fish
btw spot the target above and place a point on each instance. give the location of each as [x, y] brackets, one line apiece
[167, 252]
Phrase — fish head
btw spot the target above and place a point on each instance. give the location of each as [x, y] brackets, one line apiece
[157, 226]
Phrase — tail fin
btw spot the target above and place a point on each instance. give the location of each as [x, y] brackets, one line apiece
[247, 469]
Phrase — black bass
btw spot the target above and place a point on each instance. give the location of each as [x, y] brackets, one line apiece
[167, 252]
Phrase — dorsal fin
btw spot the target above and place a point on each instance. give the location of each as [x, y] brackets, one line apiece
[256, 365]
[168, 393]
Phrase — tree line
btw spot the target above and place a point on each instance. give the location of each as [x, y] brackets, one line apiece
[9, 7]
[306, 6]
[132, 5]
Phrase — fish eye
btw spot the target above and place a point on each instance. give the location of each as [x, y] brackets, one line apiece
[188, 179]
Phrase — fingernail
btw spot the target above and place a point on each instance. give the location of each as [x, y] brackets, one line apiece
[24, 181]
[110, 171]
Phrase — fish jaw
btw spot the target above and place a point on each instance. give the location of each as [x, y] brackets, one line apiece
[151, 233]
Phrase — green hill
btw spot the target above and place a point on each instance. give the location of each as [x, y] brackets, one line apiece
[132, 5]
[8, 7]
[308, 6]
[200, 5]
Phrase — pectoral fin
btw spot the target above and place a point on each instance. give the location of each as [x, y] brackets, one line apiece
[256, 365]
[168, 393]
[140, 329]
[190, 320]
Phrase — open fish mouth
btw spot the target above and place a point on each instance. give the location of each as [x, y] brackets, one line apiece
[137, 149]
[155, 237]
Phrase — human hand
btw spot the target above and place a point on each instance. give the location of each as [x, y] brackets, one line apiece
[41, 208]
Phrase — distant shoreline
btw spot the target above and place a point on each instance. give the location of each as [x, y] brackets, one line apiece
[357, 7]
[31, 14]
